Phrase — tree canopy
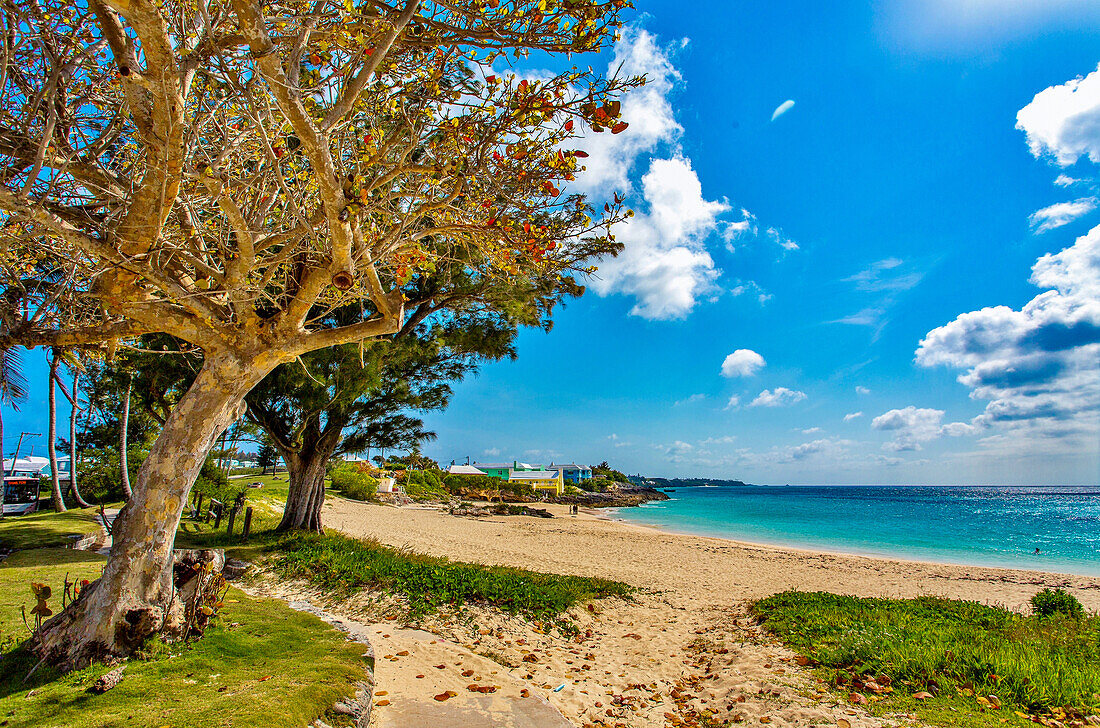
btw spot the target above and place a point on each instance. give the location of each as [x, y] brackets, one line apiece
[228, 172]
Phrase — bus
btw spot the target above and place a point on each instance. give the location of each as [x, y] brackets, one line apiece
[23, 484]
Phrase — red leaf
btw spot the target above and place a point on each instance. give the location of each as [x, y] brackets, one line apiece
[620, 127]
[569, 125]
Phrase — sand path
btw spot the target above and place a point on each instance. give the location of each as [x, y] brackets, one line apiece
[684, 649]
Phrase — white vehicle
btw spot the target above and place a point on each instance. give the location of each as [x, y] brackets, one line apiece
[22, 483]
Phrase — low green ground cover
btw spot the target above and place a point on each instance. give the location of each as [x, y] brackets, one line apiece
[258, 654]
[959, 651]
[47, 529]
[338, 562]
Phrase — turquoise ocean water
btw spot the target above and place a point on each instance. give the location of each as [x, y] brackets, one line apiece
[990, 526]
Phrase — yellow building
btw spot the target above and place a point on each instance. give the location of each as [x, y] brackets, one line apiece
[548, 481]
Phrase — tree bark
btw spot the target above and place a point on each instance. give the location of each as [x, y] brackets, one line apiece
[134, 598]
[124, 443]
[72, 444]
[306, 473]
[51, 437]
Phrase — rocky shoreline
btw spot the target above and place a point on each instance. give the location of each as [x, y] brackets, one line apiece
[624, 495]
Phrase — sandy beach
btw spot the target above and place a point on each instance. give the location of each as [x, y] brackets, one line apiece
[685, 648]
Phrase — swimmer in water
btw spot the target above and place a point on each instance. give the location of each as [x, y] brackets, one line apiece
[1036, 550]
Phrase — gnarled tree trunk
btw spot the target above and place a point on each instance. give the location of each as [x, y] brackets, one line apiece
[306, 473]
[134, 598]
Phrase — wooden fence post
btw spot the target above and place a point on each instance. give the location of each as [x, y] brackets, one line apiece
[198, 506]
[218, 517]
[232, 517]
[247, 522]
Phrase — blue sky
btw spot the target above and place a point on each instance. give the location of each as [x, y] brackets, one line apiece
[821, 188]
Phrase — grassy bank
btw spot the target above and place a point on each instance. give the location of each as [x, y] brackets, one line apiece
[47, 529]
[258, 654]
[337, 562]
[969, 657]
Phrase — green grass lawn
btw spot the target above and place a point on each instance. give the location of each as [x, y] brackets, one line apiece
[260, 664]
[47, 529]
[960, 651]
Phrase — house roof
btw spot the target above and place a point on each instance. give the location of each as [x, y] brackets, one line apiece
[464, 470]
[494, 466]
[534, 475]
[569, 466]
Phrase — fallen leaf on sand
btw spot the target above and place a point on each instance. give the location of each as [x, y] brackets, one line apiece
[383, 702]
[446, 696]
[843, 723]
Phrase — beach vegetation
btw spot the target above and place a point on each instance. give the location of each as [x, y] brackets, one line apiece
[932, 654]
[354, 484]
[250, 659]
[487, 487]
[344, 564]
[1057, 603]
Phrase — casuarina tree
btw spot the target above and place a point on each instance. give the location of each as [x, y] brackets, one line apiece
[227, 171]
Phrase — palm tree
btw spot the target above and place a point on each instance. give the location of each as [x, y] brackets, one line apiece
[54, 357]
[74, 364]
[13, 390]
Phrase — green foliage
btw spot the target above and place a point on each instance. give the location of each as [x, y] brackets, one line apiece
[245, 663]
[338, 562]
[944, 646]
[603, 470]
[353, 484]
[486, 485]
[423, 484]
[213, 483]
[1057, 602]
[99, 474]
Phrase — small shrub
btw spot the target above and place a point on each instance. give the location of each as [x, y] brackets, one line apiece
[213, 483]
[353, 484]
[1051, 602]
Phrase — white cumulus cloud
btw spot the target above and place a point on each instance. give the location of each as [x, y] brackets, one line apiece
[742, 363]
[1036, 367]
[1063, 121]
[852, 416]
[1061, 213]
[665, 264]
[911, 426]
[778, 397]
